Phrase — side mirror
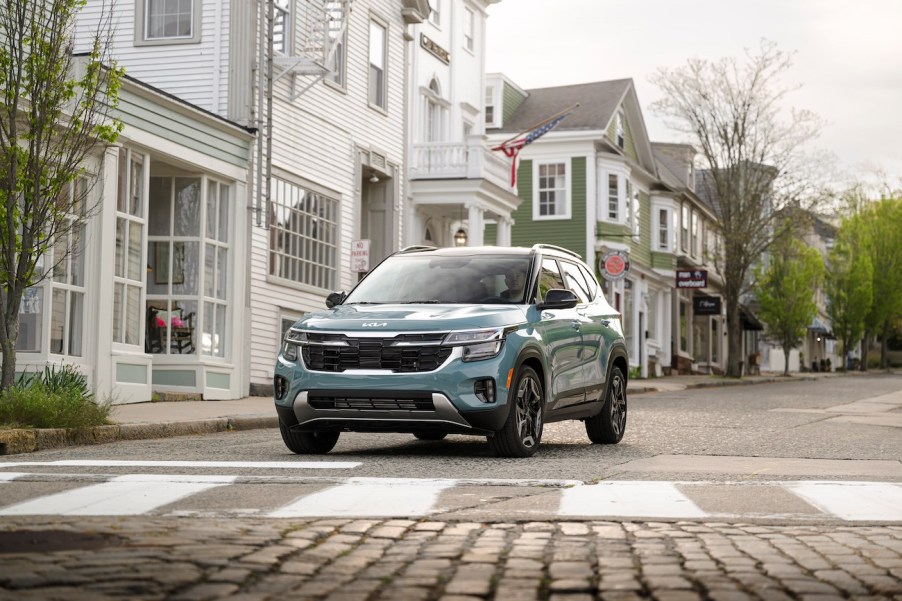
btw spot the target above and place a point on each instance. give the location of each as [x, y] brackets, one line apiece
[558, 298]
[336, 298]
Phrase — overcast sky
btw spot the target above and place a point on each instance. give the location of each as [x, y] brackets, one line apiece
[848, 57]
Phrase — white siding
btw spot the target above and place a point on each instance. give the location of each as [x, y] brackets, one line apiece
[196, 73]
[315, 137]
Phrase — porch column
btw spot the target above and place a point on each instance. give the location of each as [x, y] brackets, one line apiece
[503, 231]
[475, 225]
[414, 225]
[100, 303]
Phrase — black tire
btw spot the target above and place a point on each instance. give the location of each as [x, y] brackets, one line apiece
[430, 435]
[609, 425]
[308, 443]
[521, 433]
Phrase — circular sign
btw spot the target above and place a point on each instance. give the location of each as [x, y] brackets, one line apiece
[614, 265]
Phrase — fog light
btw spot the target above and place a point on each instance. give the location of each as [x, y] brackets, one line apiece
[485, 390]
[280, 387]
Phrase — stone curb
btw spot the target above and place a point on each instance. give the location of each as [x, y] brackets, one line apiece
[18, 441]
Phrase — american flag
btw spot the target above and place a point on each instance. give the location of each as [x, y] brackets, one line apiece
[512, 148]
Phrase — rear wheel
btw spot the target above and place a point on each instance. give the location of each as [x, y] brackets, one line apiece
[308, 443]
[608, 426]
[429, 435]
[522, 432]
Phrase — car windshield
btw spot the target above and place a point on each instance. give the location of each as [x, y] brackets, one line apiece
[483, 279]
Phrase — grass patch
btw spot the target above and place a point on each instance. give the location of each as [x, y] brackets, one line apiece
[57, 398]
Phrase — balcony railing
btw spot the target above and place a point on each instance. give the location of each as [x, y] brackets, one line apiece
[460, 160]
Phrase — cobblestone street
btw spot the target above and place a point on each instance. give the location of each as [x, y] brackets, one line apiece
[361, 560]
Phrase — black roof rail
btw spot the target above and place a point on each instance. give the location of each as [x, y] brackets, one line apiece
[416, 247]
[557, 248]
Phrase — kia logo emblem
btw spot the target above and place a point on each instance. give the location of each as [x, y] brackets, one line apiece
[375, 324]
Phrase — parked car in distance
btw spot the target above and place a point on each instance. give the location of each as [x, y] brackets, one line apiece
[488, 341]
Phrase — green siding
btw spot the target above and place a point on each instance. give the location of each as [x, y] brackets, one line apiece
[184, 130]
[663, 261]
[490, 235]
[614, 231]
[217, 380]
[640, 249]
[629, 146]
[568, 233]
[511, 100]
[127, 373]
[173, 377]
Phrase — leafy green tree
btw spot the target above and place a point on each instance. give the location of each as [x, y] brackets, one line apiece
[879, 230]
[56, 109]
[785, 292]
[752, 150]
[849, 287]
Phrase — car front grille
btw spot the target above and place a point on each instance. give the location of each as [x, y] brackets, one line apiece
[402, 353]
[417, 402]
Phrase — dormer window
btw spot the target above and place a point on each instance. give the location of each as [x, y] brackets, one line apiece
[618, 129]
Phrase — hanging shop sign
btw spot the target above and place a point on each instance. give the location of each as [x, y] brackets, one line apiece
[691, 278]
[706, 305]
[614, 265]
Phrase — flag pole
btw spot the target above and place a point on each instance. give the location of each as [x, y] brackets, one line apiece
[540, 124]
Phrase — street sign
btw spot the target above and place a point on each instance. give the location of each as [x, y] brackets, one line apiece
[691, 278]
[614, 265]
[360, 256]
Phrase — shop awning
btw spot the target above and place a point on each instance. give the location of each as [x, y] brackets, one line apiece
[749, 320]
[819, 327]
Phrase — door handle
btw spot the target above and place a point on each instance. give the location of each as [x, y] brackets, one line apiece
[575, 324]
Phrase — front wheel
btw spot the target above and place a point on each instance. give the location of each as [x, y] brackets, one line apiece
[522, 431]
[608, 426]
[308, 443]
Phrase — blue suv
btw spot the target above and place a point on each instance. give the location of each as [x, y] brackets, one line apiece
[490, 341]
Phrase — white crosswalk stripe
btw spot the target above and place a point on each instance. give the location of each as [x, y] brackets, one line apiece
[628, 499]
[853, 501]
[123, 495]
[289, 496]
[281, 465]
[369, 497]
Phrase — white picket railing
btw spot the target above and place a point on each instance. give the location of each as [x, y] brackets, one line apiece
[459, 160]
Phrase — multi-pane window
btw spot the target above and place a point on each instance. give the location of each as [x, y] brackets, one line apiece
[490, 105]
[130, 268]
[216, 269]
[303, 236]
[684, 229]
[67, 284]
[663, 230]
[434, 114]
[282, 29]
[435, 15]
[619, 130]
[469, 29]
[636, 211]
[694, 248]
[552, 189]
[613, 197]
[377, 65]
[166, 19]
[338, 36]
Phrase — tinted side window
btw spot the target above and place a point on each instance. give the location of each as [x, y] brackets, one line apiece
[549, 278]
[576, 282]
[590, 280]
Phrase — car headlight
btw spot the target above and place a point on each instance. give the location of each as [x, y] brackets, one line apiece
[477, 344]
[293, 339]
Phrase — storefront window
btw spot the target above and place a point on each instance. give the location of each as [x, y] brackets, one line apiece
[67, 258]
[130, 268]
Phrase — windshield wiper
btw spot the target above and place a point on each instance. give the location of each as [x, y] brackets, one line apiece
[363, 303]
[422, 302]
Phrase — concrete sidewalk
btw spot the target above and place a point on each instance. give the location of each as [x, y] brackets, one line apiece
[181, 418]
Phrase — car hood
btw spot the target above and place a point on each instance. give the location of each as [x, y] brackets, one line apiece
[412, 318]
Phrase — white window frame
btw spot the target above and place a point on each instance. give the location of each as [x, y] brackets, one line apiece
[612, 199]
[284, 10]
[435, 113]
[694, 234]
[491, 102]
[684, 228]
[377, 98]
[561, 212]
[68, 277]
[338, 77]
[305, 260]
[469, 29]
[142, 21]
[435, 13]
[620, 130]
[658, 226]
[131, 212]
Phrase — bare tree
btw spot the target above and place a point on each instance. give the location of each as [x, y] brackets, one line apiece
[56, 110]
[751, 148]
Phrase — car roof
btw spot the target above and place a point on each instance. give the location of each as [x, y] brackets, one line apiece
[466, 251]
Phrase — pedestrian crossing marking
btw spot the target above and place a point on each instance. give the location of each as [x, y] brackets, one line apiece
[134, 494]
[369, 497]
[629, 499]
[853, 501]
[7, 476]
[289, 465]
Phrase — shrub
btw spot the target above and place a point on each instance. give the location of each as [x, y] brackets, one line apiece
[56, 398]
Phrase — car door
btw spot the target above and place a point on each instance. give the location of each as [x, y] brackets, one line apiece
[587, 325]
[607, 320]
[559, 332]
